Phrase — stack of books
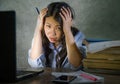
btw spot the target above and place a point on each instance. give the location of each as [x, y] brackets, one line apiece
[107, 59]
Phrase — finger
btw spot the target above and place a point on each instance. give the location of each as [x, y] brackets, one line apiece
[43, 11]
[65, 10]
[62, 16]
[64, 13]
[69, 11]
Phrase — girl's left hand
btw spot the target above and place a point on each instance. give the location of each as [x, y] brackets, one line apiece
[67, 19]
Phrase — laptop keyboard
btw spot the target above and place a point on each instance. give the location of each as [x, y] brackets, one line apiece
[29, 71]
[23, 73]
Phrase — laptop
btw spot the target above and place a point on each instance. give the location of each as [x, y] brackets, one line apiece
[8, 67]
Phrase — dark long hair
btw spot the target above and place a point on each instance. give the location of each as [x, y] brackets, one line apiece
[53, 10]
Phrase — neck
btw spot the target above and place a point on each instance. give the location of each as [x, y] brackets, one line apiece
[56, 44]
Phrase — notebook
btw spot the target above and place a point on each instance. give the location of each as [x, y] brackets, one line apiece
[8, 66]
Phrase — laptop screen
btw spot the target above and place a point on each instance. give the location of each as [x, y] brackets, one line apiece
[7, 45]
[11, 48]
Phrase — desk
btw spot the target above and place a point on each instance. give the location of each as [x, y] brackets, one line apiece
[46, 77]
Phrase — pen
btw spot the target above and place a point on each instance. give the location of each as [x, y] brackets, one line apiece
[37, 10]
[88, 76]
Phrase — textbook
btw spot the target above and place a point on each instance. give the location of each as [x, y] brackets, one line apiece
[99, 46]
[112, 53]
[82, 77]
[104, 61]
[102, 64]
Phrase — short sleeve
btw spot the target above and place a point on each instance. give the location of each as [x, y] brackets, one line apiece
[79, 37]
[78, 40]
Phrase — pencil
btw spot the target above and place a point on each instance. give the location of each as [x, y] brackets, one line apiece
[88, 76]
[37, 10]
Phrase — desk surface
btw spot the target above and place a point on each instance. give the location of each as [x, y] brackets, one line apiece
[46, 77]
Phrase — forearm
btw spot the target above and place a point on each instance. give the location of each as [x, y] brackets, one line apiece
[73, 53]
[36, 48]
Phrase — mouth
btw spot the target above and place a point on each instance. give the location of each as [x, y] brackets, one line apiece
[53, 40]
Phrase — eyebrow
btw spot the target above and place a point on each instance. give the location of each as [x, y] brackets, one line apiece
[50, 24]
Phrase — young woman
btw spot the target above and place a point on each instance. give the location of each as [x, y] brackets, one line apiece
[56, 43]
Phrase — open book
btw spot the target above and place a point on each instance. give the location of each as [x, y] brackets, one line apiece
[82, 77]
[99, 46]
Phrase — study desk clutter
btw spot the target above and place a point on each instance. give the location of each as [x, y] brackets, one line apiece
[46, 77]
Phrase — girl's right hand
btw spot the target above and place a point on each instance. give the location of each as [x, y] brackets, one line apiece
[40, 19]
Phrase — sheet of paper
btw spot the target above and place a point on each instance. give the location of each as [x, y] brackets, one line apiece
[80, 79]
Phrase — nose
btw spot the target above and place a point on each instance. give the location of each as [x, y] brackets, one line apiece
[53, 32]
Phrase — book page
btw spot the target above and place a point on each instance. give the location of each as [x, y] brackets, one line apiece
[99, 46]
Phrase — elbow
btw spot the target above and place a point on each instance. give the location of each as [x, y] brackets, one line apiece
[34, 63]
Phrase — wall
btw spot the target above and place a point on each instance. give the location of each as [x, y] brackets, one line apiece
[97, 19]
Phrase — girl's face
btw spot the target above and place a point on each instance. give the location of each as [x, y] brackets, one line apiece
[52, 30]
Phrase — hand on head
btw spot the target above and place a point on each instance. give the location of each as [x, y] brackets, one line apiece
[41, 16]
[67, 18]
